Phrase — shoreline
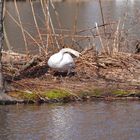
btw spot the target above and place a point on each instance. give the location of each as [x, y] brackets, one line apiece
[58, 94]
[135, 97]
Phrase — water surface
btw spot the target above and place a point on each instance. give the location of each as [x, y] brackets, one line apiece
[76, 121]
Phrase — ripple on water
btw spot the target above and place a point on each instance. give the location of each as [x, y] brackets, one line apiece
[76, 121]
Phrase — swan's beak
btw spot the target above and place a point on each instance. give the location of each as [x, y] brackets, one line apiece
[80, 54]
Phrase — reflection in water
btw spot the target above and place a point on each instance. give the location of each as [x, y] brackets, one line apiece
[86, 121]
[88, 14]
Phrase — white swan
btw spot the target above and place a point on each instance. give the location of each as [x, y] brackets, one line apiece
[63, 61]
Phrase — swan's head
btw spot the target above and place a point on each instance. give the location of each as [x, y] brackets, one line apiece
[71, 51]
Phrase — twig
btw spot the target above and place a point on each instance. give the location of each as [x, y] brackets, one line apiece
[75, 21]
[21, 26]
[44, 10]
[76, 16]
[115, 44]
[102, 15]
[23, 29]
[6, 38]
[36, 24]
[100, 37]
[50, 19]
[58, 20]
[8, 45]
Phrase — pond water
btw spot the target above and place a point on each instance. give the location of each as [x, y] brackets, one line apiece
[99, 120]
[88, 13]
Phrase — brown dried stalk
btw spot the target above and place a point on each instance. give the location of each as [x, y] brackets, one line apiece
[44, 10]
[103, 48]
[58, 20]
[75, 20]
[23, 29]
[21, 26]
[102, 15]
[115, 48]
[36, 24]
[51, 23]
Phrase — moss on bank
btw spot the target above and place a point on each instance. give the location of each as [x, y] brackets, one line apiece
[60, 95]
[97, 92]
[46, 96]
[121, 92]
[24, 95]
[56, 94]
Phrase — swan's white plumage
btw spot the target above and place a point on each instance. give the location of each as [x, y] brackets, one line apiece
[63, 61]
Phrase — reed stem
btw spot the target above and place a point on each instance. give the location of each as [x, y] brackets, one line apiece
[21, 26]
[37, 27]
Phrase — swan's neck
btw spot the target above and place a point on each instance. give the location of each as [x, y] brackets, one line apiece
[68, 50]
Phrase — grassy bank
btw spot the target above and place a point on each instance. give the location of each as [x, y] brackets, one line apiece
[59, 94]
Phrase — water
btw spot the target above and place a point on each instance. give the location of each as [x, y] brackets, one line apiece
[88, 13]
[77, 121]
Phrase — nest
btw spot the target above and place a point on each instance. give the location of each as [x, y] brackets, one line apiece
[90, 65]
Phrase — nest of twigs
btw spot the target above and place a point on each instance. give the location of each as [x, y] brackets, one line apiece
[90, 65]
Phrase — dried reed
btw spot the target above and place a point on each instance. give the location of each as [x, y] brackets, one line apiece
[59, 22]
[37, 28]
[23, 29]
[109, 39]
[102, 15]
[21, 26]
[101, 41]
[115, 48]
[51, 23]
[75, 22]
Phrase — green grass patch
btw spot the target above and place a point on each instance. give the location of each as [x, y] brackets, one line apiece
[26, 95]
[120, 92]
[97, 92]
[92, 92]
[56, 94]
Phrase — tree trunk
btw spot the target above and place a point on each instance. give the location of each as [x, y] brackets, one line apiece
[1, 45]
[4, 98]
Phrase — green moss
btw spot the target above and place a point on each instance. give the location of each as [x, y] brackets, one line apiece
[97, 92]
[30, 96]
[120, 92]
[27, 95]
[56, 94]
[91, 92]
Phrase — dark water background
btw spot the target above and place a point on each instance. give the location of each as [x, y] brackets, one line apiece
[119, 120]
